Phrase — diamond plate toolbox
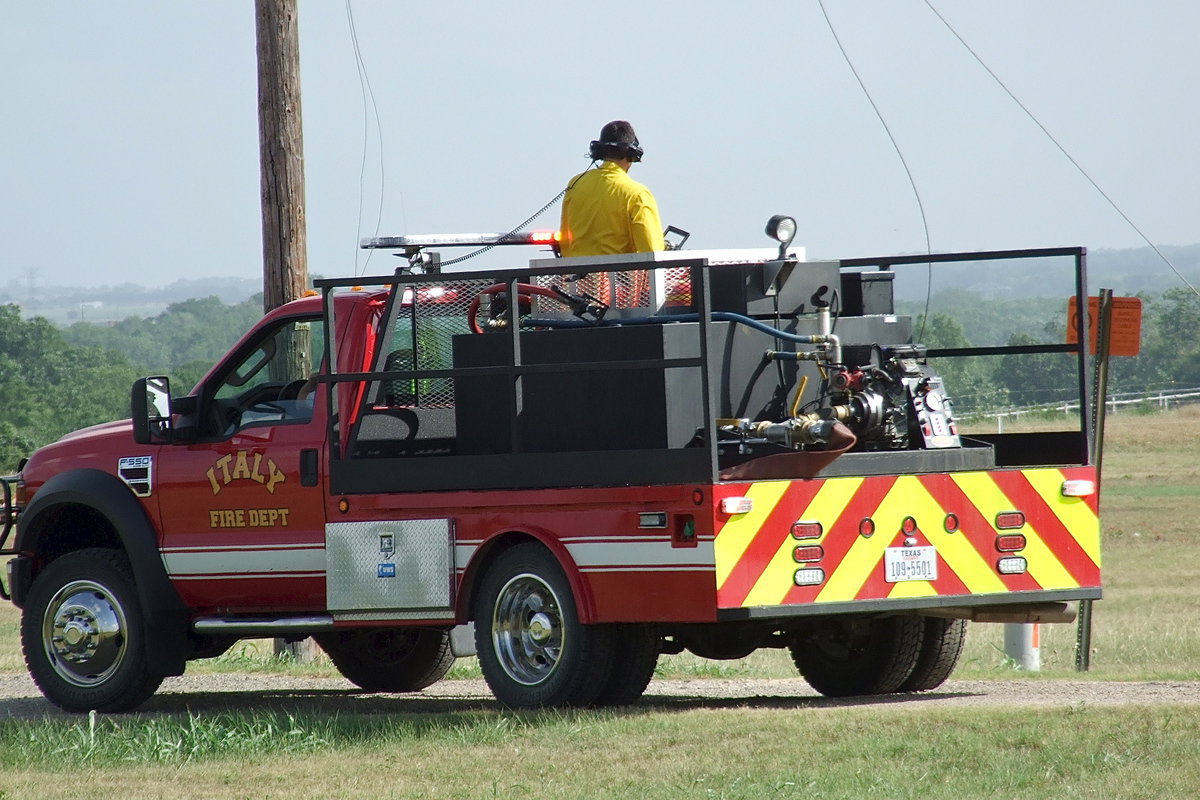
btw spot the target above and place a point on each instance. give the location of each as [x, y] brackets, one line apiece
[395, 564]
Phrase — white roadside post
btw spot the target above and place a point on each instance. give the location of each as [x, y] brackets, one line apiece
[1022, 643]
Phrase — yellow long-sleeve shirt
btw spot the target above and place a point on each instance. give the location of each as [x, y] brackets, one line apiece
[605, 212]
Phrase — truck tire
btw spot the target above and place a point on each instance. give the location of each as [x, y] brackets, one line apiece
[532, 648]
[941, 645]
[389, 660]
[83, 635]
[846, 656]
[635, 655]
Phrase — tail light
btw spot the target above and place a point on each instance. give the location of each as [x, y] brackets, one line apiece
[1010, 520]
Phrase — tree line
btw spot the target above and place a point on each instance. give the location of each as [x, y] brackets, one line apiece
[55, 380]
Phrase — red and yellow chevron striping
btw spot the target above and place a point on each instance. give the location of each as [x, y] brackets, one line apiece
[908, 536]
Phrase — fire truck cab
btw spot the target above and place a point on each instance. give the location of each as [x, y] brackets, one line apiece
[568, 469]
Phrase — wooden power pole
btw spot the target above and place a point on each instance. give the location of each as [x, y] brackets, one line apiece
[281, 153]
[281, 166]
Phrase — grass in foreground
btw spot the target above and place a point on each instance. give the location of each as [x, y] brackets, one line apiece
[902, 751]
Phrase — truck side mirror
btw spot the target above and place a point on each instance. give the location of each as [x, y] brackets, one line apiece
[150, 406]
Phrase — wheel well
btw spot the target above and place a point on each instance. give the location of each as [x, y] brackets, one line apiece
[70, 527]
[584, 604]
[484, 556]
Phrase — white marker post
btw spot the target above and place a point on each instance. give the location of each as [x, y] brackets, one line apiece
[1022, 643]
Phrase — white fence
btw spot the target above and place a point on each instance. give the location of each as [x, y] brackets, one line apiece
[1163, 400]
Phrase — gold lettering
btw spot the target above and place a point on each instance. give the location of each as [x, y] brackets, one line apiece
[212, 479]
[255, 474]
[240, 468]
[248, 517]
[223, 463]
[276, 476]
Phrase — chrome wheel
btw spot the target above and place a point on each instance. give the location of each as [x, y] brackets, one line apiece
[533, 650]
[527, 629]
[84, 632]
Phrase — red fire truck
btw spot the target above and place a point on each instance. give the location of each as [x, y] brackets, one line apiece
[566, 469]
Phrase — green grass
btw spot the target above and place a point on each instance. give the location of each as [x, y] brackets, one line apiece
[912, 751]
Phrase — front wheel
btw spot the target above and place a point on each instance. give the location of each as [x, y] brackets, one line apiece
[532, 648]
[82, 633]
[391, 659]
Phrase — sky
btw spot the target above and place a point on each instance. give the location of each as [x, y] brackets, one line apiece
[130, 141]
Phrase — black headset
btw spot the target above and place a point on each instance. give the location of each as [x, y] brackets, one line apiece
[598, 151]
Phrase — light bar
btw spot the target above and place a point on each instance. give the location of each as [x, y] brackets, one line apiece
[420, 241]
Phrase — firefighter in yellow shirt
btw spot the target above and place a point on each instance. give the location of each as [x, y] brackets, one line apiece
[604, 210]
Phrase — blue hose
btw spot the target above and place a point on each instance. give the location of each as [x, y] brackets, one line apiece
[723, 316]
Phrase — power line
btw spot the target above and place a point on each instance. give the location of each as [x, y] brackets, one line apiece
[1062, 149]
[912, 182]
[368, 97]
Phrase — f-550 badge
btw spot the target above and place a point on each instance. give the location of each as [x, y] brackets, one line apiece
[137, 472]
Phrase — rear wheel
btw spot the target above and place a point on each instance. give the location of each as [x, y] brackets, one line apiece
[845, 656]
[389, 660]
[941, 645]
[635, 655]
[82, 633]
[532, 648]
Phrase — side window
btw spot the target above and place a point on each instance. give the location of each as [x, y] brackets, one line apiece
[274, 382]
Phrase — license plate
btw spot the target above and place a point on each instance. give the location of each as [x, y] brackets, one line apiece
[910, 564]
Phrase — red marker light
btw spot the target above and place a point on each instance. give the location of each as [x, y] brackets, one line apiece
[1010, 543]
[807, 530]
[802, 555]
[1010, 520]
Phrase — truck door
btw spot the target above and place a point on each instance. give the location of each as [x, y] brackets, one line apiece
[242, 509]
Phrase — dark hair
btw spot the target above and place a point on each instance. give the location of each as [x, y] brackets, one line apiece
[618, 131]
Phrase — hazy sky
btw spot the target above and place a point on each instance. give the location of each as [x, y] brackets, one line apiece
[130, 149]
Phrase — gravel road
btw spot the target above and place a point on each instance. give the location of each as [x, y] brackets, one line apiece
[227, 692]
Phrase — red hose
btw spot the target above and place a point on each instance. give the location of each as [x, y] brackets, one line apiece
[525, 292]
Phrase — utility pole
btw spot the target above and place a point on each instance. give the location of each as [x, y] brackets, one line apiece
[281, 153]
[281, 166]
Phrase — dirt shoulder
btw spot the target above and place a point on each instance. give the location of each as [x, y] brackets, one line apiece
[228, 692]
